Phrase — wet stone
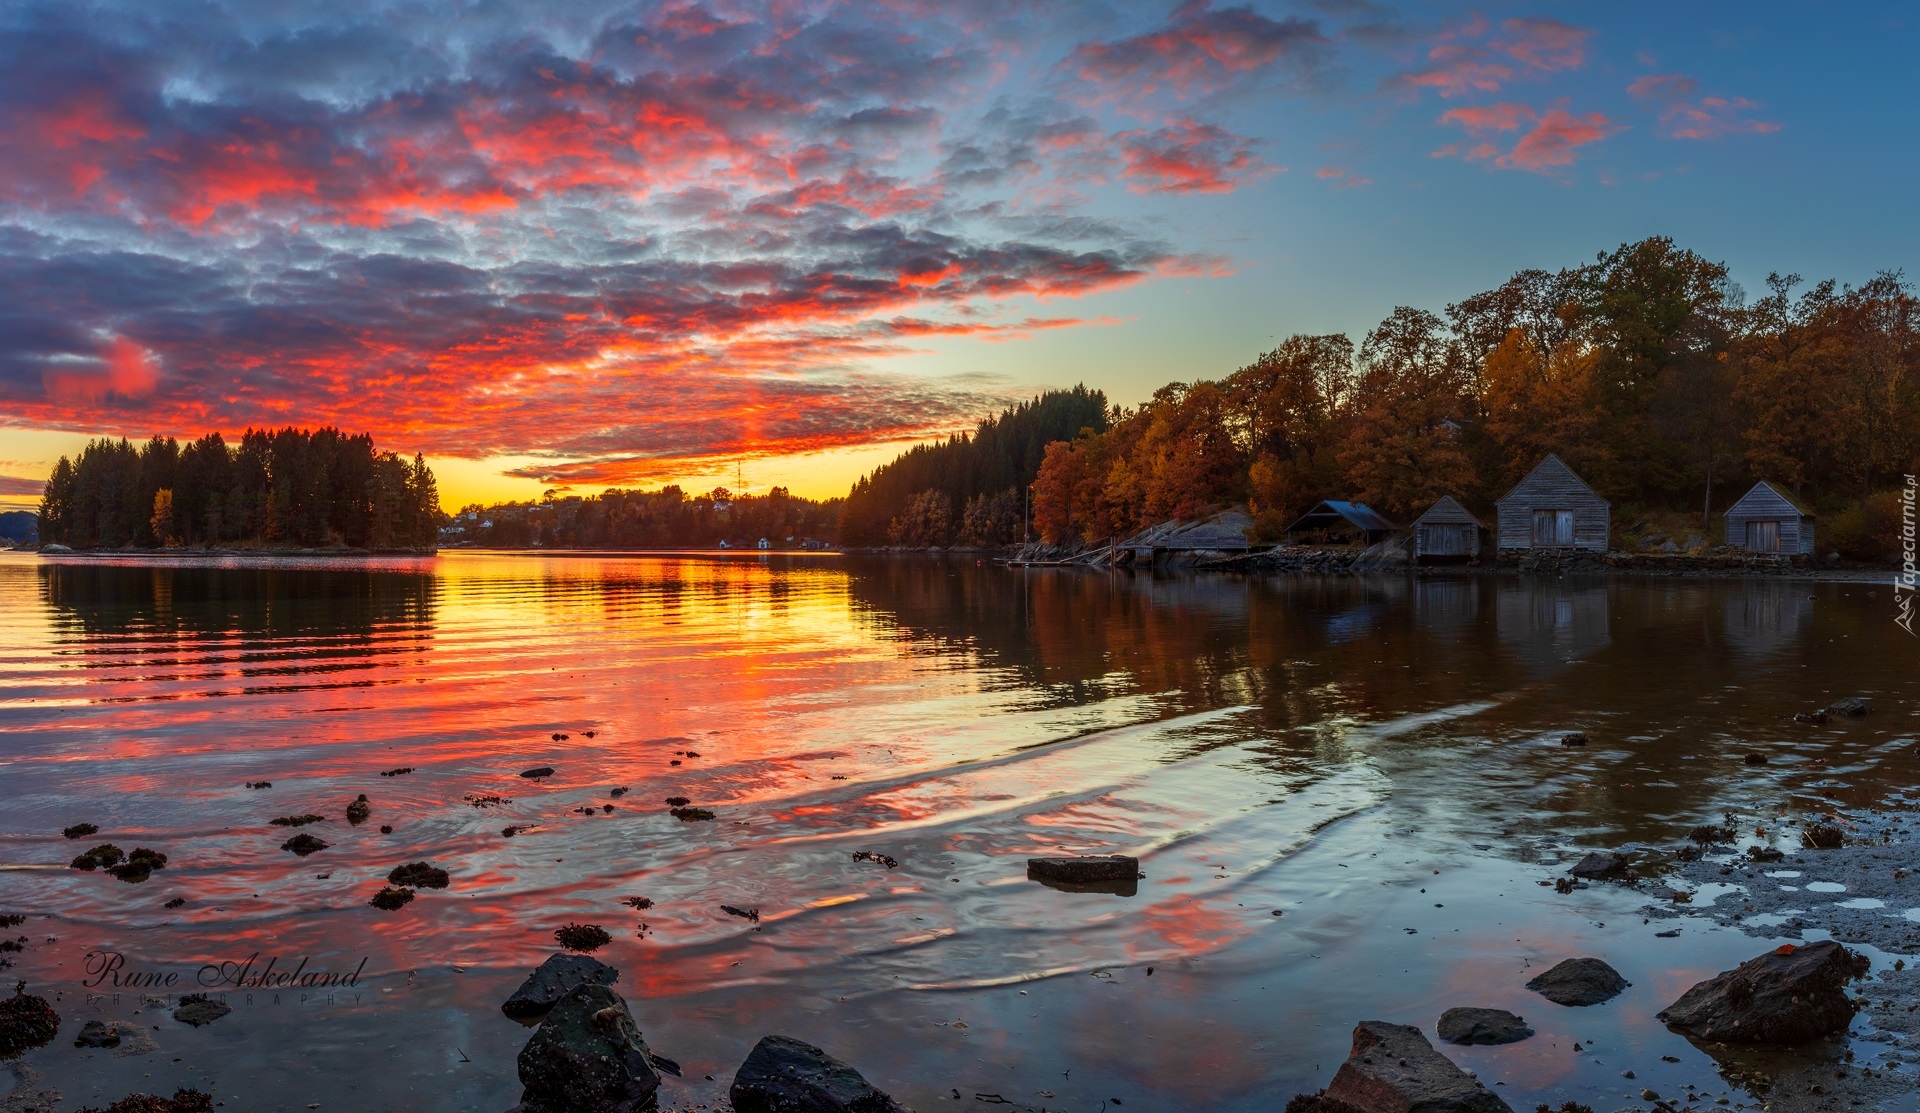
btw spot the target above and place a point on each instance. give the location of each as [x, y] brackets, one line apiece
[554, 979]
[1393, 1069]
[1599, 865]
[95, 1033]
[587, 1057]
[197, 1009]
[1482, 1026]
[1786, 996]
[785, 1075]
[389, 900]
[1107, 867]
[582, 937]
[537, 772]
[1850, 706]
[1578, 982]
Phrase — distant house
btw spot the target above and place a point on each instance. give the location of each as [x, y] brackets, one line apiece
[1765, 520]
[1552, 508]
[1446, 531]
[1343, 521]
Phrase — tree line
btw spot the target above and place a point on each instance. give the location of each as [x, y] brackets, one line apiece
[971, 488]
[665, 519]
[1647, 371]
[276, 487]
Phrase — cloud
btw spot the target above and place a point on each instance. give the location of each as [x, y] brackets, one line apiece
[1188, 157]
[1460, 64]
[673, 233]
[1547, 142]
[19, 485]
[1684, 115]
[1341, 178]
[1199, 50]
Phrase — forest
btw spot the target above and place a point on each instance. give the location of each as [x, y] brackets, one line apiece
[664, 519]
[284, 487]
[969, 489]
[1647, 370]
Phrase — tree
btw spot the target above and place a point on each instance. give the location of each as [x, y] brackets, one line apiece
[161, 522]
[1404, 450]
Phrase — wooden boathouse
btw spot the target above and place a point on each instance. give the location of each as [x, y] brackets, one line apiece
[1552, 508]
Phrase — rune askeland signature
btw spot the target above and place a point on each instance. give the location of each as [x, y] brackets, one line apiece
[109, 968]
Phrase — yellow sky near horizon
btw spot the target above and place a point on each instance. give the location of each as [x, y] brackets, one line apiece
[30, 454]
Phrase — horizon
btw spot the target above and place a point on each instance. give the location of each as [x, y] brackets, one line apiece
[601, 247]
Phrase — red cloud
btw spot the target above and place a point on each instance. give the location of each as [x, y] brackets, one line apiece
[126, 370]
[1187, 157]
[1683, 117]
[1548, 143]
[1200, 50]
[1526, 46]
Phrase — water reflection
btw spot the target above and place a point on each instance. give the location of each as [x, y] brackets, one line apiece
[1314, 748]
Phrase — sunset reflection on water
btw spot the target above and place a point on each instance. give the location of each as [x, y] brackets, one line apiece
[1313, 748]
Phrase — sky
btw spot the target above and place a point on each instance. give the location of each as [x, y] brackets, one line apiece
[579, 245]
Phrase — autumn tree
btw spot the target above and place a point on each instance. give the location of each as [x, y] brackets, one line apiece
[1404, 449]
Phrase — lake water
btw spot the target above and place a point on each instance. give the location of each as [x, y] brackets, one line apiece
[1345, 794]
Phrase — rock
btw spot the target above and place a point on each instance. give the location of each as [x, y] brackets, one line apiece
[538, 772]
[418, 875]
[1755, 759]
[26, 1022]
[784, 1075]
[587, 1057]
[1818, 718]
[1823, 836]
[1573, 738]
[304, 844]
[1470, 1025]
[79, 830]
[582, 937]
[1598, 865]
[555, 978]
[359, 810]
[182, 1101]
[1579, 981]
[1851, 706]
[391, 899]
[197, 1009]
[1790, 995]
[1393, 1069]
[1107, 867]
[95, 1033]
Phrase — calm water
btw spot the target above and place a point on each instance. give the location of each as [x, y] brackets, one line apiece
[1374, 759]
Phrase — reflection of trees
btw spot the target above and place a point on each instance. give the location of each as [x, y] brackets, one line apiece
[255, 601]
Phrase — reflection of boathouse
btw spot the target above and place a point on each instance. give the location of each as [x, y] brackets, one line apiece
[1546, 625]
[1762, 618]
[1446, 606]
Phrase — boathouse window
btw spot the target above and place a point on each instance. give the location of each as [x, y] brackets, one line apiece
[1552, 529]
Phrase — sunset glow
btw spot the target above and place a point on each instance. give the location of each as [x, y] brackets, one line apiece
[588, 245]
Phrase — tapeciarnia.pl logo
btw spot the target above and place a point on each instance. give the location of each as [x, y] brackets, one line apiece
[1905, 583]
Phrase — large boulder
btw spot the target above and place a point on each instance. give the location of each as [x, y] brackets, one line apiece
[1579, 981]
[555, 978]
[1393, 1069]
[587, 1057]
[1470, 1025]
[1790, 995]
[784, 1075]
